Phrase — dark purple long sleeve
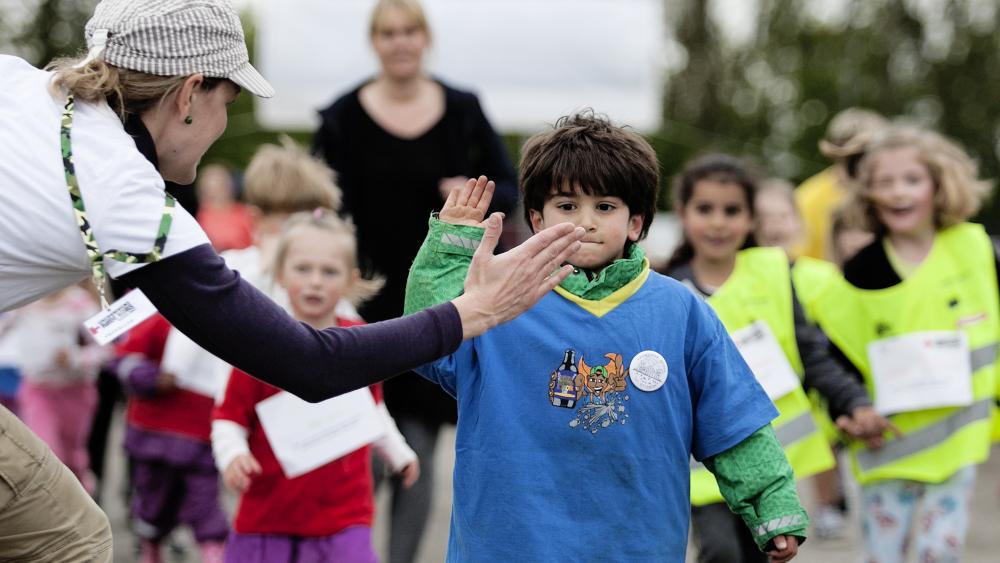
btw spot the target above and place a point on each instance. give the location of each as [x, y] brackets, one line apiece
[227, 316]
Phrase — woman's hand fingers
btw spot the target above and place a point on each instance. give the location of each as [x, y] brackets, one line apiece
[498, 288]
[491, 238]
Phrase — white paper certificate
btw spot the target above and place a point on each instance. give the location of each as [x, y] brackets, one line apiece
[305, 435]
[767, 361]
[921, 371]
[193, 368]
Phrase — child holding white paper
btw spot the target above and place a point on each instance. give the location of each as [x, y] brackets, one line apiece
[167, 438]
[750, 288]
[922, 294]
[300, 501]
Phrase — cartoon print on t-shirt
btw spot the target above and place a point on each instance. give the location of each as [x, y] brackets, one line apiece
[598, 392]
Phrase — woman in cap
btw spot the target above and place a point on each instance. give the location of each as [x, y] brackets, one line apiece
[85, 151]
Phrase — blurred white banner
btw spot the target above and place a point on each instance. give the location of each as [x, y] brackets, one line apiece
[530, 61]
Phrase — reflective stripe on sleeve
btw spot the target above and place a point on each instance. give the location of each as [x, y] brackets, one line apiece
[778, 523]
[462, 242]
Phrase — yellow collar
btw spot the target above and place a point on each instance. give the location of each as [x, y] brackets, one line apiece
[602, 307]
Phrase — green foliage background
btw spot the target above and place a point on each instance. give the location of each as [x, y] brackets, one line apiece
[768, 97]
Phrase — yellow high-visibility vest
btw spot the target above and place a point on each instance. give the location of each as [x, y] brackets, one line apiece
[760, 289]
[810, 276]
[954, 289]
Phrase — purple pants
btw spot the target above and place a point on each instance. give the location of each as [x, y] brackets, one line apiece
[352, 545]
[167, 495]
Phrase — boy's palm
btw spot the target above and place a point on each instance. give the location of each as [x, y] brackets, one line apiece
[468, 204]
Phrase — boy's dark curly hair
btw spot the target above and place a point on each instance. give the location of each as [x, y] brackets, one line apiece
[586, 151]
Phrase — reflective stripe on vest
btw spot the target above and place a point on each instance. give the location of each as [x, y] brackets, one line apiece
[983, 356]
[925, 438]
[792, 431]
[955, 288]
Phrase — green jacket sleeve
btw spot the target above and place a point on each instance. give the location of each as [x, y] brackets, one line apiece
[757, 482]
[438, 272]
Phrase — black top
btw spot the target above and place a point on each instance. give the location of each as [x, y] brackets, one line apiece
[870, 268]
[390, 187]
[227, 316]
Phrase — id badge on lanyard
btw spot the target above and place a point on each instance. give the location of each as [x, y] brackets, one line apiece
[922, 370]
[116, 318]
[767, 361]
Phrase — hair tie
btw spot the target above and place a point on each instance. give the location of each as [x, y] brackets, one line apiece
[98, 43]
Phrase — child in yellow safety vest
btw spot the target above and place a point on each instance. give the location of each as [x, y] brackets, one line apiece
[916, 313]
[750, 290]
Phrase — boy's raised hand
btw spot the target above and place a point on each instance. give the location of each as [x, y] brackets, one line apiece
[467, 205]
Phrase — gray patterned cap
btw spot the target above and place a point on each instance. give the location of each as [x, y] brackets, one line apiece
[174, 38]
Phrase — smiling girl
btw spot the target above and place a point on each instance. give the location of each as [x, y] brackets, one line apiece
[751, 290]
[291, 511]
[916, 313]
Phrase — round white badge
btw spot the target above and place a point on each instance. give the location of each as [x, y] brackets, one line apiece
[648, 370]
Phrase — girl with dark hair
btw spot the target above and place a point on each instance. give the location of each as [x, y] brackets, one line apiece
[750, 289]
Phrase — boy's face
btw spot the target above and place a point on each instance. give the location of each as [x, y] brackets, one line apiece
[606, 219]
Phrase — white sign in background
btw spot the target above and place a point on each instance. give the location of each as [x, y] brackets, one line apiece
[530, 61]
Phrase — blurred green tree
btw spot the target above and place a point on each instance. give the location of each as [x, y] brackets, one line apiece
[770, 96]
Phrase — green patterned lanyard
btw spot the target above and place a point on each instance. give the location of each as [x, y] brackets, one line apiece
[86, 232]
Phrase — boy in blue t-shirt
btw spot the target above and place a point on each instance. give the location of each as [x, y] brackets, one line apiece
[578, 420]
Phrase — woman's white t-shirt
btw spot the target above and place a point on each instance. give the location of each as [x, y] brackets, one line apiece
[40, 245]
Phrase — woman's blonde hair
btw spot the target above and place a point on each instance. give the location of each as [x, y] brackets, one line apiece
[327, 221]
[411, 8]
[286, 179]
[958, 191]
[128, 92]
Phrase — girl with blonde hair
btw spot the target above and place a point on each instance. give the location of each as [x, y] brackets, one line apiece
[290, 512]
[916, 314]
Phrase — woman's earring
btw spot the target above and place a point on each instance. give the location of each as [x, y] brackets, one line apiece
[188, 120]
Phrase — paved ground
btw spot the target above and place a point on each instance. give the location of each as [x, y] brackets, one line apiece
[983, 544]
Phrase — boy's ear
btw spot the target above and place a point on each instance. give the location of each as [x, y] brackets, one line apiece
[634, 227]
[537, 222]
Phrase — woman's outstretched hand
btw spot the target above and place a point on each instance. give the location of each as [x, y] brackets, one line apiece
[499, 288]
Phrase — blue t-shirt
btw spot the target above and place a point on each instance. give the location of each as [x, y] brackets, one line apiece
[555, 463]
